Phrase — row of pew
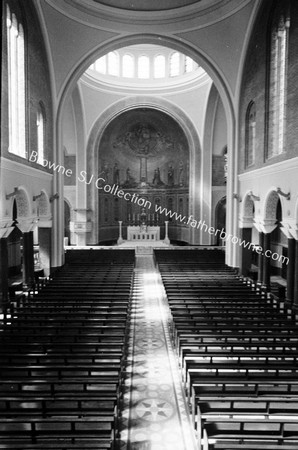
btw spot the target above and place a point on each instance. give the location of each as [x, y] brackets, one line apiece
[237, 353]
[63, 357]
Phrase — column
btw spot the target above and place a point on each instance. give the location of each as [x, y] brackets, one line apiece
[28, 259]
[291, 270]
[166, 239]
[3, 273]
[44, 238]
[260, 258]
[245, 253]
[266, 261]
[120, 239]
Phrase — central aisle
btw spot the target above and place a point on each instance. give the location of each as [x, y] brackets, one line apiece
[155, 415]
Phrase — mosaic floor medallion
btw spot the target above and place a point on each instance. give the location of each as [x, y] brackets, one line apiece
[154, 410]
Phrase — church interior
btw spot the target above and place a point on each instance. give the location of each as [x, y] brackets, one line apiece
[149, 225]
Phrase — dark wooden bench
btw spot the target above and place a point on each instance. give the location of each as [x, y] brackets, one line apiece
[239, 429]
[26, 429]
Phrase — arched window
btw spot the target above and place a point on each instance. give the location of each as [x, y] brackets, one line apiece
[189, 64]
[101, 65]
[250, 134]
[159, 66]
[16, 84]
[174, 64]
[128, 66]
[278, 84]
[276, 234]
[40, 123]
[143, 67]
[113, 64]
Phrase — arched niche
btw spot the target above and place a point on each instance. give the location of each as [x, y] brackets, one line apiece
[248, 233]
[270, 206]
[145, 152]
[44, 210]
[190, 164]
[247, 211]
[220, 219]
[23, 204]
[14, 245]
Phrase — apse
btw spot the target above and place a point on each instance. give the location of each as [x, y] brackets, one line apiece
[145, 153]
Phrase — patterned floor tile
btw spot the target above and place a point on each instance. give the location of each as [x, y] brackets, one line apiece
[154, 402]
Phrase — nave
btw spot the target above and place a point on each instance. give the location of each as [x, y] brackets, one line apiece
[166, 351]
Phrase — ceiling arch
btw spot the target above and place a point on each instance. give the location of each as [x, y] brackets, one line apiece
[147, 5]
[203, 60]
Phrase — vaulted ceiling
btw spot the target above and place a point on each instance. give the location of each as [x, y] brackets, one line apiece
[212, 32]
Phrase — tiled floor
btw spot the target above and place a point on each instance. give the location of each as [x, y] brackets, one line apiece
[155, 414]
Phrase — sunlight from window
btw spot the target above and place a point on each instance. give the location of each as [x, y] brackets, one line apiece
[135, 63]
[16, 85]
[175, 64]
[113, 64]
[143, 67]
[128, 66]
[101, 65]
[159, 66]
[40, 123]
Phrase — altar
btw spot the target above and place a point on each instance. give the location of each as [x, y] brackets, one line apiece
[143, 233]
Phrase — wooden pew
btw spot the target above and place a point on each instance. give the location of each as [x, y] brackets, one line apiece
[239, 429]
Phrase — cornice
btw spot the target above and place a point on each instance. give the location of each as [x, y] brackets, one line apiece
[289, 164]
[119, 86]
[196, 15]
[23, 169]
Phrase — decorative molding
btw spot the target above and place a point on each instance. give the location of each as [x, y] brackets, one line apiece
[80, 227]
[200, 13]
[54, 197]
[6, 228]
[237, 197]
[287, 196]
[25, 170]
[246, 222]
[272, 169]
[27, 225]
[45, 223]
[12, 194]
[286, 230]
[35, 197]
[265, 226]
[253, 196]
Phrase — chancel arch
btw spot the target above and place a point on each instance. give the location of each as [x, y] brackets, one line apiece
[193, 236]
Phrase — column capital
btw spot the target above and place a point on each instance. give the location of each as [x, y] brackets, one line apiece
[294, 232]
[286, 229]
[265, 226]
[6, 228]
[292, 228]
[246, 222]
[27, 225]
